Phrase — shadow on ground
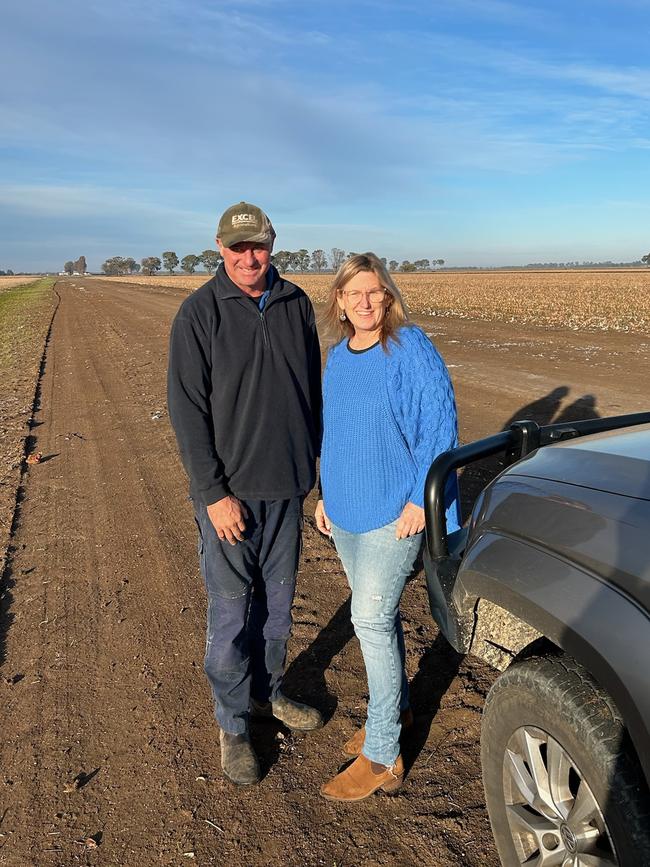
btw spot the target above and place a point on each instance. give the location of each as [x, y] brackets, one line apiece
[545, 410]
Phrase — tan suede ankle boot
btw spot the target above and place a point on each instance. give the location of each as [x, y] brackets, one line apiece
[359, 781]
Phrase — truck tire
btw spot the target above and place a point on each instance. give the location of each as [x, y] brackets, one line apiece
[562, 783]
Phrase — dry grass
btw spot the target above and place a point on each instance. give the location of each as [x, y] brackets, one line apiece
[580, 300]
[10, 282]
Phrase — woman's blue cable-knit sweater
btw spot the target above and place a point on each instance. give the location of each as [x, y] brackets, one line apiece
[386, 416]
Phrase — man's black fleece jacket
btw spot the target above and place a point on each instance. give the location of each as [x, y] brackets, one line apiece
[244, 391]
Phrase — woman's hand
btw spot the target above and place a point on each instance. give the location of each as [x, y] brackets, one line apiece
[410, 522]
[322, 521]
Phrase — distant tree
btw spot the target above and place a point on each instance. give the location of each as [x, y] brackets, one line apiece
[300, 260]
[393, 265]
[189, 263]
[337, 257]
[646, 259]
[303, 259]
[435, 262]
[383, 261]
[422, 264]
[170, 260]
[407, 266]
[151, 264]
[282, 260]
[318, 260]
[68, 267]
[114, 265]
[80, 265]
[210, 259]
[10, 273]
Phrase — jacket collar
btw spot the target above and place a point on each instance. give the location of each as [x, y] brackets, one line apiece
[225, 288]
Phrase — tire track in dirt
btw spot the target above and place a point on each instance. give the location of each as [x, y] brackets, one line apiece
[90, 594]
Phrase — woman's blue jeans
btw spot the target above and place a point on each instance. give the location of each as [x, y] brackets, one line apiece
[377, 566]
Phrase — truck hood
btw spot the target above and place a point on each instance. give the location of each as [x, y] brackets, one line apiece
[617, 462]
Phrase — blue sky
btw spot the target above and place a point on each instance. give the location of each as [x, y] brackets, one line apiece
[482, 132]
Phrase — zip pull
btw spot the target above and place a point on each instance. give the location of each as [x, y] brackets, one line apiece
[265, 332]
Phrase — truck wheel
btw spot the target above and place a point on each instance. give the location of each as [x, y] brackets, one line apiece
[562, 783]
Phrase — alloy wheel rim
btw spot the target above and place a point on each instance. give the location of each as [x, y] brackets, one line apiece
[553, 816]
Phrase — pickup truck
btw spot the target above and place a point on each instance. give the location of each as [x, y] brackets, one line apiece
[550, 584]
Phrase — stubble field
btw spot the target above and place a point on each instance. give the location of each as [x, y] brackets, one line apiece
[580, 300]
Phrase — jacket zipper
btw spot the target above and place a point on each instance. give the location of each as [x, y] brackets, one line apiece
[265, 333]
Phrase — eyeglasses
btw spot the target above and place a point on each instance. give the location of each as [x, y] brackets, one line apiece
[375, 296]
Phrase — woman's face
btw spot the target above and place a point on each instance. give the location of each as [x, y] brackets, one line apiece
[364, 301]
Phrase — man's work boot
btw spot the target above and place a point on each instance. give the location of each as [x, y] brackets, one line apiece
[296, 716]
[354, 746]
[363, 777]
[238, 760]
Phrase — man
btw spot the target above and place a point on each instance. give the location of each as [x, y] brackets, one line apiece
[244, 401]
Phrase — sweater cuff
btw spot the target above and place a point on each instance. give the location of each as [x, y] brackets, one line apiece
[213, 494]
[417, 492]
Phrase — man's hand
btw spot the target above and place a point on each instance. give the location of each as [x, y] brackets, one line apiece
[410, 522]
[228, 518]
[322, 521]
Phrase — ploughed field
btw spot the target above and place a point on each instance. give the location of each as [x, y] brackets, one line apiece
[109, 753]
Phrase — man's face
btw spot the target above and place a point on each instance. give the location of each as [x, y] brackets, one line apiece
[246, 264]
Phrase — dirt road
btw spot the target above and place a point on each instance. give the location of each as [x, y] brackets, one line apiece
[109, 751]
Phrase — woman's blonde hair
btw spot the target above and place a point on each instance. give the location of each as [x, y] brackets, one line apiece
[396, 312]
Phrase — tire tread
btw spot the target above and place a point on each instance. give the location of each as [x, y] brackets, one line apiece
[588, 709]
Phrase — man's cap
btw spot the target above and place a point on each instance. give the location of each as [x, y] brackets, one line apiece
[245, 222]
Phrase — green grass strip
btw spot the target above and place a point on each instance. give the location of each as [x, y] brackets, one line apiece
[23, 311]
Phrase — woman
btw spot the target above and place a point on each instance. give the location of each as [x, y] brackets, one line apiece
[389, 409]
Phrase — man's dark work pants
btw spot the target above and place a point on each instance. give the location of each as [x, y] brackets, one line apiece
[250, 592]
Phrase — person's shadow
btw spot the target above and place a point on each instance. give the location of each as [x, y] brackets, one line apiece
[545, 410]
[305, 676]
[437, 668]
[582, 408]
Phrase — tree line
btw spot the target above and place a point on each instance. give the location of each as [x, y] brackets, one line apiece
[79, 265]
[284, 260]
[302, 260]
[170, 261]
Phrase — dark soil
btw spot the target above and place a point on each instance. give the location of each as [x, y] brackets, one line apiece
[109, 747]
